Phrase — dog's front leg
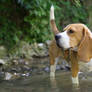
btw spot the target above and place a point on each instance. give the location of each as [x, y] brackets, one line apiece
[74, 67]
[53, 63]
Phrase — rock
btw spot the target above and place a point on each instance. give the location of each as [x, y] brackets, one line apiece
[40, 50]
[47, 69]
[85, 67]
[67, 68]
[26, 63]
[15, 62]
[2, 61]
[3, 51]
[58, 67]
[22, 50]
[27, 51]
[40, 45]
[2, 75]
[15, 69]
[8, 76]
[25, 75]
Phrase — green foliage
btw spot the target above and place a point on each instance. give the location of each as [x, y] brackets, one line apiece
[29, 19]
[38, 19]
[10, 23]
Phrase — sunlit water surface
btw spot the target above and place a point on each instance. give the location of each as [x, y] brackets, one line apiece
[42, 83]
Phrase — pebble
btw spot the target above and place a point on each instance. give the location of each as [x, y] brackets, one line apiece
[47, 69]
[40, 44]
[2, 61]
[8, 76]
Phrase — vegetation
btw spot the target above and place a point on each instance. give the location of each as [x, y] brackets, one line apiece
[28, 20]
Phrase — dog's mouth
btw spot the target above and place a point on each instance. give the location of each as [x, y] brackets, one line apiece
[57, 42]
[60, 45]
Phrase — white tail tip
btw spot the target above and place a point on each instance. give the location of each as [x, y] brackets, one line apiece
[52, 8]
[52, 13]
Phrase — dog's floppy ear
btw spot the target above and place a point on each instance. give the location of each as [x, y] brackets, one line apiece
[84, 49]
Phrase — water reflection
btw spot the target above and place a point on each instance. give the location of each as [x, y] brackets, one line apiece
[76, 88]
[42, 83]
[54, 87]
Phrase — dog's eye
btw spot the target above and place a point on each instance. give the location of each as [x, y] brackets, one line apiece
[71, 31]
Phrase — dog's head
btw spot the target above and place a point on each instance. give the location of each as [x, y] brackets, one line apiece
[72, 36]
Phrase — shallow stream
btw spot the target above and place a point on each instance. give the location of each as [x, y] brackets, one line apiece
[42, 83]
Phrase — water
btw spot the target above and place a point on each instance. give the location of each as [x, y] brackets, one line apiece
[42, 83]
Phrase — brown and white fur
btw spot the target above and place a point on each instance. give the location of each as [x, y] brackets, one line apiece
[55, 53]
[76, 37]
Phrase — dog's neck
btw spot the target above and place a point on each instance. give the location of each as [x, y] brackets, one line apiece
[75, 49]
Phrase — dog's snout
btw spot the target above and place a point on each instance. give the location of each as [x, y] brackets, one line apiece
[57, 37]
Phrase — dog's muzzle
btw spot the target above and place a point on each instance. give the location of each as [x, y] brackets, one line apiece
[57, 38]
[62, 40]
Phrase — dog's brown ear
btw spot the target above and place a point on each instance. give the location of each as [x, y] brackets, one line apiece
[52, 21]
[85, 49]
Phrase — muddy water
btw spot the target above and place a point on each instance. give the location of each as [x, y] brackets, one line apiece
[42, 83]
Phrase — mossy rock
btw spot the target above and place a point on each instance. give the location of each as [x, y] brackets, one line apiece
[3, 51]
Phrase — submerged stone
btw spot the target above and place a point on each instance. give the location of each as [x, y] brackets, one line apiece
[47, 69]
[8, 76]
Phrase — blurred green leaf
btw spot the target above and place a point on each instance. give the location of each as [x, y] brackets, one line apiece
[29, 19]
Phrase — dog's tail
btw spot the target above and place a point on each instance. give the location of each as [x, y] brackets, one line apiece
[52, 21]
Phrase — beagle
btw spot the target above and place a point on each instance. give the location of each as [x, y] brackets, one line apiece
[55, 53]
[76, 37]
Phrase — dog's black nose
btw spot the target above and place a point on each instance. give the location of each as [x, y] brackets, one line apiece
[57, 37]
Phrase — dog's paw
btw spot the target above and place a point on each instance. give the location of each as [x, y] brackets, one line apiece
[52, 75]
